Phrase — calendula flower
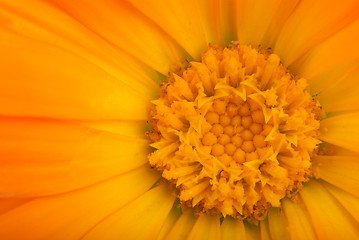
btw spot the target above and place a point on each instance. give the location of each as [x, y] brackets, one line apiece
[205, 119]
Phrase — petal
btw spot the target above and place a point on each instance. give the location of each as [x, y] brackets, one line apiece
[218, 20]
[284, 10]
[342, 94]
[141, 219]
[341, 171]
[49, 157]
[340, 48]
[278, 226]
[329, 218]
[7, 204]
[40, 80]
[335, 82]
[182, 227]
[71, 215]
[311, 23]
[128, 29]
[254, 19]
[233, 229]
[252, 231]
[206, 227]
[180, 20]
[170, 221]
[348, 201]
[299, 224]
[40, 21]
[342, 130]
[132, 128]
[264, 231]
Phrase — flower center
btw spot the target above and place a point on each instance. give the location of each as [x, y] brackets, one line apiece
[235, 133]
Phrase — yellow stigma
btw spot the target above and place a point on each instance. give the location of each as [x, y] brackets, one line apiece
[235, 133]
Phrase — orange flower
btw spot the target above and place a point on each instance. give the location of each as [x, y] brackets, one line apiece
[77, 78]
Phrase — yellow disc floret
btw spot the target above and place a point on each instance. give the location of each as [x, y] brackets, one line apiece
[235, 132]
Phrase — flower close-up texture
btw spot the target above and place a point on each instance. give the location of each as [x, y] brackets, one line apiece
[179, 119]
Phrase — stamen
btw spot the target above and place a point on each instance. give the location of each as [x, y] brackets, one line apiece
[235, 133]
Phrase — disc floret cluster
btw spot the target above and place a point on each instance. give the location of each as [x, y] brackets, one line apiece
[234, 133]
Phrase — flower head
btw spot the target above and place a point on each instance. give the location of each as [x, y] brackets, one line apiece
[253, 108]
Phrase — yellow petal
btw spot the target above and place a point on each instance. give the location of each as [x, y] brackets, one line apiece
[252, 231]
[299, 224]
[254, 19]
[206, 227]
[278, 226]
[340, 48]
[136, 35]
[218, 20]
[170, 221]
[341, 171]
[141, 219]
[71, 215]
[347, 90]
[180, 20]
[342, 130]
[233, 229]
[210, 19]
[329, 218]
[284, 10]
[182, 227]
[264, 230]
[227, 20]
[39, 80]
[348, 201]
[335, 82]
[311, 23]
[48, 157]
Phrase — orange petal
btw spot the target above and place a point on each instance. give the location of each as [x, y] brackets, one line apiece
[180, 20]
[127, 128]
[206, 227]
[342, 130]
[126, 28]
[40, 80]
[49, 157]
[40, 21]
[329, 218]
[348, 201]
[141, 219]
[277, 223]
[340, 48]
[299, 224]
[232, 229]
[71, 215]
[311, 23]
[341, 171]
[7, 204]
[182, 227]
